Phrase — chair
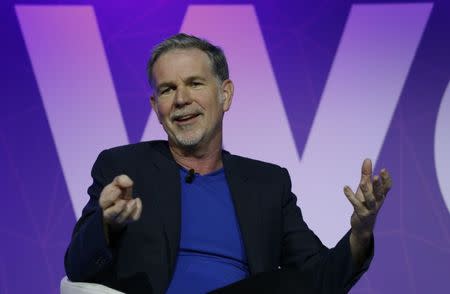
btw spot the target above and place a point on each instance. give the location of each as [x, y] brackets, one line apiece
[68, 287]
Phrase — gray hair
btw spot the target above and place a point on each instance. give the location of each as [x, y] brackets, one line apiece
[184, 41]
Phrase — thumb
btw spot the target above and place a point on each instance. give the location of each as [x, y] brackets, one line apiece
[125, 184]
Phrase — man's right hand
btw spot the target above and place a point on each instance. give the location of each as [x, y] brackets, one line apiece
[119, 207]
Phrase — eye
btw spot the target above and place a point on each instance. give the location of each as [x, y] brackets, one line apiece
[196, 84]
[164, 91]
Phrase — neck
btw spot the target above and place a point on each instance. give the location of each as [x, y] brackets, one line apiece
[203, 159]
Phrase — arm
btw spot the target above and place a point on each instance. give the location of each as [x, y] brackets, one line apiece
[337, 269]
[366, 202]
[327, 270]
[91, 252]
[88, 252]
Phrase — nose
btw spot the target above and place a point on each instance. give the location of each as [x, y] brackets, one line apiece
[182, 97]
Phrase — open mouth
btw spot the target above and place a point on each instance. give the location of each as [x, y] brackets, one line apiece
[186, 118]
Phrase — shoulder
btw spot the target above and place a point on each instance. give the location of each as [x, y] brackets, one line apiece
[131, 152]
[256, 168]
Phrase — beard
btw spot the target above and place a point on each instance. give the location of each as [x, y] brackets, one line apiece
[188, 138]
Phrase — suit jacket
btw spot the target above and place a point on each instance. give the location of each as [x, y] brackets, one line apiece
[141, 258]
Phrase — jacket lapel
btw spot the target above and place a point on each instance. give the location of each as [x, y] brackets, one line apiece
[247, 207]
[169, 198]
[243, 191]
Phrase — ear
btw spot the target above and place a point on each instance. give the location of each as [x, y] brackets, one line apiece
[153, 102]
[227, 92]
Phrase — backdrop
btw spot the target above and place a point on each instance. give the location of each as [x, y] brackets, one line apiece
[320, 85]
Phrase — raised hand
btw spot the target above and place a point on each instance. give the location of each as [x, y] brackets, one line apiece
[367, 200]
[119, 207]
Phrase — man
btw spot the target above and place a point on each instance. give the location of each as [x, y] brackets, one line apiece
[185, 216]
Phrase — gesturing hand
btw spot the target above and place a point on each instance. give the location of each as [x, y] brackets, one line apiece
[119, 207]
[368, 199]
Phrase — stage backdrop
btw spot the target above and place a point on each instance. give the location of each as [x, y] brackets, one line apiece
[320, 85]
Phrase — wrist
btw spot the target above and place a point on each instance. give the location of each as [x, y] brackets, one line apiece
[361, 237]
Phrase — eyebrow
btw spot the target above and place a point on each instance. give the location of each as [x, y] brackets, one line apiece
[192, 78]
[164, 85]
[172, 84]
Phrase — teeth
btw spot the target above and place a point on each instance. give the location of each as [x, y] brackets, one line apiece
[186, 117]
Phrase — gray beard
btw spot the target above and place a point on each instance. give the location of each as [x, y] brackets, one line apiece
[188, 141]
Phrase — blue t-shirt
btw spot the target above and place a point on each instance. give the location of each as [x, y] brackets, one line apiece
[211, 251]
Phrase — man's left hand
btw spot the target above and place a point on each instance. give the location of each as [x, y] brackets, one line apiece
[367, 200]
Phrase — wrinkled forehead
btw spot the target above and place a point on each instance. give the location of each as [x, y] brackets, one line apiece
[181, 64]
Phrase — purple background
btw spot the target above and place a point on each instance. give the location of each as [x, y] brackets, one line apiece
[413, 231]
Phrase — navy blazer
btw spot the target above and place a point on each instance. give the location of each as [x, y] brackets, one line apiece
[141, 258]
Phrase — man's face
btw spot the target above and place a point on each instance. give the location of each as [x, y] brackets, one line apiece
[188, 99]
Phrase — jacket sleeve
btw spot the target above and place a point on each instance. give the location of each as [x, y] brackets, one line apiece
[328, 270]
[88, 257]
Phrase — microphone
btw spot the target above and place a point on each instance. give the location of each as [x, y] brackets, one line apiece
[190, 176]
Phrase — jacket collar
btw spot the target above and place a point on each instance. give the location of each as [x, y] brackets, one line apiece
[243, 193]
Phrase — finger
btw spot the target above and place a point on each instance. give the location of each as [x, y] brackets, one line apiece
[386, 181]
[369, 198]
[125, 184]
[359, 194]
[109, 195]
[136, 215]
[366, 170]
[110, 214]
[377, 188]
[366, 174]
[115, 189]
[357, 204]
[126, 212]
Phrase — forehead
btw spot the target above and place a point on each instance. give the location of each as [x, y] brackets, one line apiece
[181, 63]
